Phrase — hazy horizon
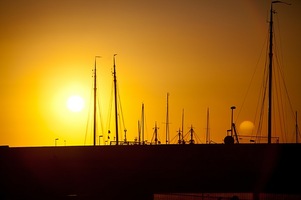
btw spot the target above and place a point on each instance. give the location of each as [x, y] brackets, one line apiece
[203, 53]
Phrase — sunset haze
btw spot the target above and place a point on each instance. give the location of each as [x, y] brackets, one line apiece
[202, 52]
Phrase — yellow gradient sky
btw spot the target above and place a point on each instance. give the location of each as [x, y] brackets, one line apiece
[202, 52]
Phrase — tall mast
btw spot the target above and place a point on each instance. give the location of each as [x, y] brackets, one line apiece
[94, 106]
[191, 136]
[270, 76]
[207, 129]
[271, 71]
[142, 123]
[183, 125]
[156, 134]
[139, 132]
[115, 95]
[297, 129]
[167, 121]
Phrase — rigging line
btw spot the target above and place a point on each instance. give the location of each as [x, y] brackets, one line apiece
[100, 119]
[187, 134]
[192, 135]
[289, 102]
[141, 133]
[281, 75]
[278, 33]
[174, 138]
[252, 78]
[120, 127]
[298, 130]
[280, 60]
[259, 109]
[110, 108]
[198, 140]
[145, 128]
[284, 101]
[155, 134]
[278, 102]
[120, 106]
[263, 95]
[89, 112]
[286, 92]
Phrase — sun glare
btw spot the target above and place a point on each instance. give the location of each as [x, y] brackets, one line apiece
[75, 103]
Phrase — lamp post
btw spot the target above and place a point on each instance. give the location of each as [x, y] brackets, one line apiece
[55, 141]
[99, 139]
[232, 110]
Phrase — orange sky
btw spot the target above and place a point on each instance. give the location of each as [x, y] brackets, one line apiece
[202, 52]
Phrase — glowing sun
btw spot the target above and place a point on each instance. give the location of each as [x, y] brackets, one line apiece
[246, 127]
[75, 103]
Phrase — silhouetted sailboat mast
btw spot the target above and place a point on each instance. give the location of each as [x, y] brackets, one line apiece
[94, 103]
[297, 128]
[167, 120]
[95, 100]
[115, 95]
[271, 70]
[142, 124]
[207, 128]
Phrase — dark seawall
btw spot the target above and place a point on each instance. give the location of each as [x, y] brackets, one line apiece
[139, 171]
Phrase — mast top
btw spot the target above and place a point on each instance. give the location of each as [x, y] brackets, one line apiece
[281, 2]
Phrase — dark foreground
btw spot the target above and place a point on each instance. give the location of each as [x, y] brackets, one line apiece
[140, 171]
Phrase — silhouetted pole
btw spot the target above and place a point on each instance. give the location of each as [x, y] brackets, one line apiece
[180, 137]
[207, 129]
[167, 121]
[183, 125]
[156, 134]
[94, 106]
[297, 129]
[55, 141]
[139, 132]
[232, 110]
[191, 136]
[115, 94]
[271, 72]
[270, 76]
[142, 123]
